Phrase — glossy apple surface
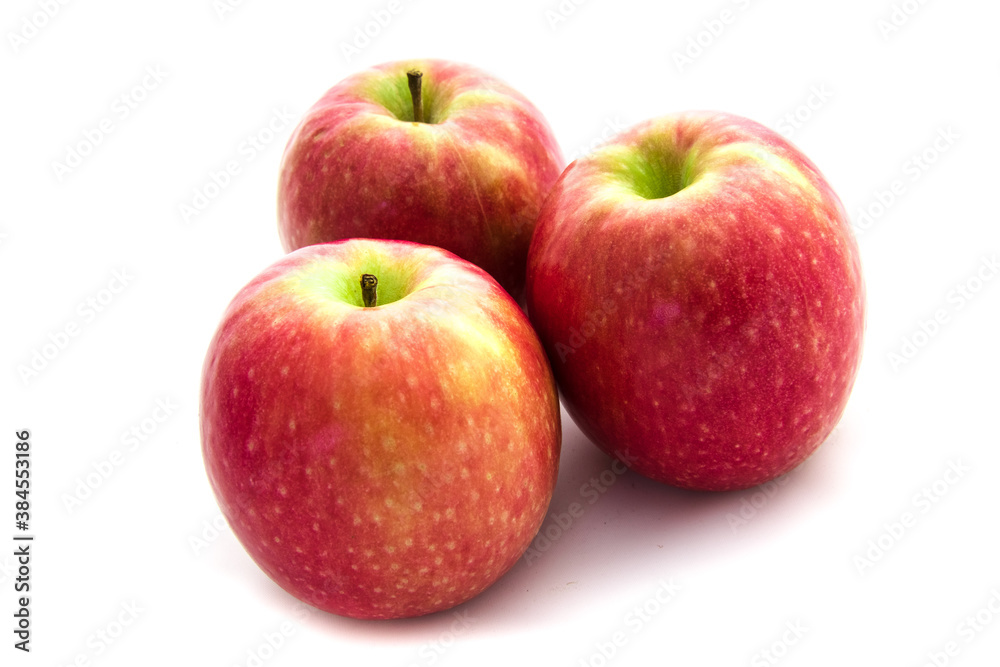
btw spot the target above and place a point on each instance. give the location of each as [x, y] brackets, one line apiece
[470, 178]
[385, 461]
[698, 289]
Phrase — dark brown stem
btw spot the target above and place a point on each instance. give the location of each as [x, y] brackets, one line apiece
[369, 290]
[414, 77]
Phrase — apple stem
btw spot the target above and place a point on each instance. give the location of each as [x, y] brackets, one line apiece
[369, 290]
[414, 77]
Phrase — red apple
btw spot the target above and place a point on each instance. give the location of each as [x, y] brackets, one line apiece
[469, 178]
[698, 289]
[379, 461]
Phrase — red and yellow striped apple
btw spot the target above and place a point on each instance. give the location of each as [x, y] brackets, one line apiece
[468, 176]
[698, 290]
[380, 426]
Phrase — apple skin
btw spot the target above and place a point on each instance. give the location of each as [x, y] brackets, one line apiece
[379, 462]
[707, 338]
[471, 179]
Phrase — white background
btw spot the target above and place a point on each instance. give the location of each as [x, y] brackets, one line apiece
[144, 538]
